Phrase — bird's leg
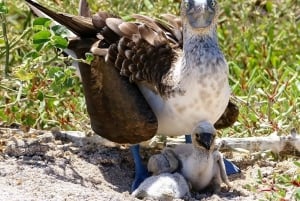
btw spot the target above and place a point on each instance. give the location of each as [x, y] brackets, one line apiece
[141, 172]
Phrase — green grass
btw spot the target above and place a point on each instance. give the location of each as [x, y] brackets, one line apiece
[281, 187]
[259, 38]
[261, 43]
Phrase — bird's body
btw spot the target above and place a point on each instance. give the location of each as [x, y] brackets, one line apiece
[188, 82]
[177, 65]
[200, 82]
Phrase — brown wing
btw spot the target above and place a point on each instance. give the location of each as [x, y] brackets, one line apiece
[146, 51]
[229, 116]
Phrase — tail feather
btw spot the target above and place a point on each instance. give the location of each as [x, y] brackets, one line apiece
[84, 9]
[79, 25]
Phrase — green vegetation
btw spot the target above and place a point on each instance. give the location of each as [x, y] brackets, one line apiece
[260, 39]
[38, 87]
[261, 42]
[281, 187]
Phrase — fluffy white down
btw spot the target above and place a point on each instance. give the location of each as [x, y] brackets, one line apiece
[164, 186]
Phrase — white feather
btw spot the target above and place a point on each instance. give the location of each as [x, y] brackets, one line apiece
[199, 2]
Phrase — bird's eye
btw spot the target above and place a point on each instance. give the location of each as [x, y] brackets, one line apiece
[213, 3]
[186, 4]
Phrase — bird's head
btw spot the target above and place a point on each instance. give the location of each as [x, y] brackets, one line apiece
[203, 136]
[200, 15]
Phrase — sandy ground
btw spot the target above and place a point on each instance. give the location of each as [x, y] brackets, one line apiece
[44, 165]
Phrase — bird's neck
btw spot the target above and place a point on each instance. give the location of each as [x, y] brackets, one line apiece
[200, 48]
[200, 154]
[199, 150]
[197, 40]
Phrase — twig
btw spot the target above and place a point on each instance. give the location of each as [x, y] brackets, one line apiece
[9, 89]
[51, 60]
[15, 42]
[274, 143]
[18, 99]
[283, 145]
[7, 46]
[13, 103]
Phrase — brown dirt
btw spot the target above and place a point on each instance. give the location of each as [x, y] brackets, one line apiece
[44, 165]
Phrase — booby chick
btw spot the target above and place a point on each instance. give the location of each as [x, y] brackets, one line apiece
[164, 187]
[164, 162]
[199, 162]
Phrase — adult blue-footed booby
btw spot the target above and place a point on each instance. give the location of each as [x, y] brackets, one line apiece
[176, 64]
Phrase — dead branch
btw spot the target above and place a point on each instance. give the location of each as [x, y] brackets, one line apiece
[274, 143]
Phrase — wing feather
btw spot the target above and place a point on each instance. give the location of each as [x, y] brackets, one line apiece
[146, 51]
[84, 9]
[129, 29]
[113, 24]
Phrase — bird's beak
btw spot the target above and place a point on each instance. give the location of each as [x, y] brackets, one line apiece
[205, 139]
[200, 16]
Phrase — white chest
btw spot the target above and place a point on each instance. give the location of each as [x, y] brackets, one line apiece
[205, 98]
[201, 176]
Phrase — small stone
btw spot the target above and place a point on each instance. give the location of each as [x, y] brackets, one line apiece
[36, 158]
[46, 138]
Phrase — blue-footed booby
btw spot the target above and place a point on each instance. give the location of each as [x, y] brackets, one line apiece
[179, 74]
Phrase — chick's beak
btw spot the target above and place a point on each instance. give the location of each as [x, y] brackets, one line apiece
[205, 139]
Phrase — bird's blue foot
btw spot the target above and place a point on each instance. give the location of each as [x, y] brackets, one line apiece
[141, 172]
[230, 167]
